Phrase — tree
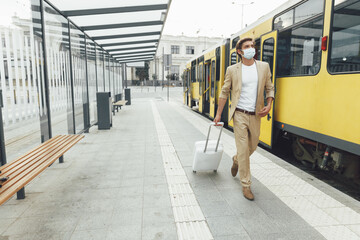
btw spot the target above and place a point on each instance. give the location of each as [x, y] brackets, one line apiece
[155, 77]
[143, 73]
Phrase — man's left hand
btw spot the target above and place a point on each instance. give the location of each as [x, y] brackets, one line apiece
[263, 112]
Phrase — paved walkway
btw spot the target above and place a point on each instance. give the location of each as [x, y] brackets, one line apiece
[135, 182]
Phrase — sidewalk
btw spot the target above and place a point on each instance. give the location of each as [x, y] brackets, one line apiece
[135, 182]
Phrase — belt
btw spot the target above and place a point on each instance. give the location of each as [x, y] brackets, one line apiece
[244, 111]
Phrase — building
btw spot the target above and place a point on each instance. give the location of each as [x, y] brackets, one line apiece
[182, 49]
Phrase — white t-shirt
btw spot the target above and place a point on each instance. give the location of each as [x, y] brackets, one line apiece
[248, 93]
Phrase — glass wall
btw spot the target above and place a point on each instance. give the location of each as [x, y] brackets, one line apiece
[58, 66]
[79, 76]
[100, 69]
[21, 76]
[107, 72]
[91, 72]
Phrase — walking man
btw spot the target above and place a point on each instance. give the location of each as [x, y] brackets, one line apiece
[247, 81]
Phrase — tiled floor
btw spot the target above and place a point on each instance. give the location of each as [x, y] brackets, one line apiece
[127, 183]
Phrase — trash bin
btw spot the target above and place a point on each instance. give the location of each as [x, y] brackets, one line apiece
[104, 110]
[128, 96]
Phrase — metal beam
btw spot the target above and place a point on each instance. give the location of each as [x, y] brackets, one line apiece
[132, 48]
[130, 59]
[127, 57]
[129, 53]
[129, 43]
[135, 57]
[122, 25]
[86, 12]
[140, 60]
[126, 35]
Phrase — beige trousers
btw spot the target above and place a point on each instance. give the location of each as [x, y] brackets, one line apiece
[247, 132]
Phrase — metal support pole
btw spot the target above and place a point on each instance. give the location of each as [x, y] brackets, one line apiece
[21, 194]
[87, 105]
[46, 78]
[2, 139]
[104, 71]
[163, 76]
[73, 130]
[96, 78]
[168, 90]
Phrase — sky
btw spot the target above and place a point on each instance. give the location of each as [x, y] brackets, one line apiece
[214, 18]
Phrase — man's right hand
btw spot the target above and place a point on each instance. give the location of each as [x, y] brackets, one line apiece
[217, 119]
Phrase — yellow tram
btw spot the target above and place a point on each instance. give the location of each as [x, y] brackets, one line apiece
[313, 49]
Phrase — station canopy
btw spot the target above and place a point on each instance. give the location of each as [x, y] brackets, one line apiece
[129, 30]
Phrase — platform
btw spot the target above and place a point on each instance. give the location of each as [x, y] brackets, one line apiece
[135, 181]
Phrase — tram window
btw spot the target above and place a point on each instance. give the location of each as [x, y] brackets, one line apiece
[302, 12]
[257, 49]
[233, 58]
[213, 66]
[345, 38]
[308, 9]
[284, 20]
[193, 74]
[268, 52]
[299, 49]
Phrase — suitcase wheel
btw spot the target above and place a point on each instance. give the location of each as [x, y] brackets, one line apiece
[215, 170]
[194, 171]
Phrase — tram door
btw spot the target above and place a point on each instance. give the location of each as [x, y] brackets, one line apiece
[206, 93]
[268, 54]
[212, 87]
[201, 86]
[187, 93]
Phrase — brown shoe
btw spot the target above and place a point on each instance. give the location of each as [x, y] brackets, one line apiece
[234, 168]
[248, 194]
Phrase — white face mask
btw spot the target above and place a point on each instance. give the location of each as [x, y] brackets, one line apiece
[249, 53]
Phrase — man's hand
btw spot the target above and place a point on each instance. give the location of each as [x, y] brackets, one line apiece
[217, 119]
[263, 112]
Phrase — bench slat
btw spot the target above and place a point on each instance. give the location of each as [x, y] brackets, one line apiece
[28, 162]
[13, 185]
[17, 176]
[27, 158]
[14, 162]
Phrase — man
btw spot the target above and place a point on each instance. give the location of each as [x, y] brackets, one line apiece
[247, 81]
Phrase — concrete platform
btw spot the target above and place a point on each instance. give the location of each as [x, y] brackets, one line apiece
[135, 181]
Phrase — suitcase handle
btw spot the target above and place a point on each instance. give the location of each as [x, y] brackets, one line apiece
[207, 138]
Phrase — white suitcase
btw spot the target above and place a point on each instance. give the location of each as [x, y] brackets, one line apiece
[208, 153]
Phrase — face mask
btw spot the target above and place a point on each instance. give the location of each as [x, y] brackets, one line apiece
[249, 53]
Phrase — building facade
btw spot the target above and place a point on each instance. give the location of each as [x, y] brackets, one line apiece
[182, 49]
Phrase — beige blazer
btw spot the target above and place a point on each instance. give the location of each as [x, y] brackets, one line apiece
[233, 83]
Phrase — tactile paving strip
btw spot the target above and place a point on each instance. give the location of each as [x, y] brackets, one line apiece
[189, 219]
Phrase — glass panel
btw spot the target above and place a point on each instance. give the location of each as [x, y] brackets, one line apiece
[58, 63]
[268, 52]
[193, 74]
[22, 77]
[213, 66]
[200, 72]
[79, 76]
[308, 9]
[233, 58]
[190, 50]
[345, 38]
[299, 49]
[107, 73]
[175, 49]
[91, 69]
[100, 69]
[257, 49]
[284, 20]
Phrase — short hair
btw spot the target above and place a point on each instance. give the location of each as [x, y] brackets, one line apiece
[240, 43]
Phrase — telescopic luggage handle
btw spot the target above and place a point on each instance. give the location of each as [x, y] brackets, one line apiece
[207, 139]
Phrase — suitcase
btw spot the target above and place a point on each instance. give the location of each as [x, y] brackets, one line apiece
[208, 153]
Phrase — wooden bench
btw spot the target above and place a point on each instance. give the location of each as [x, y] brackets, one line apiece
[16, 174]
[118, 104]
